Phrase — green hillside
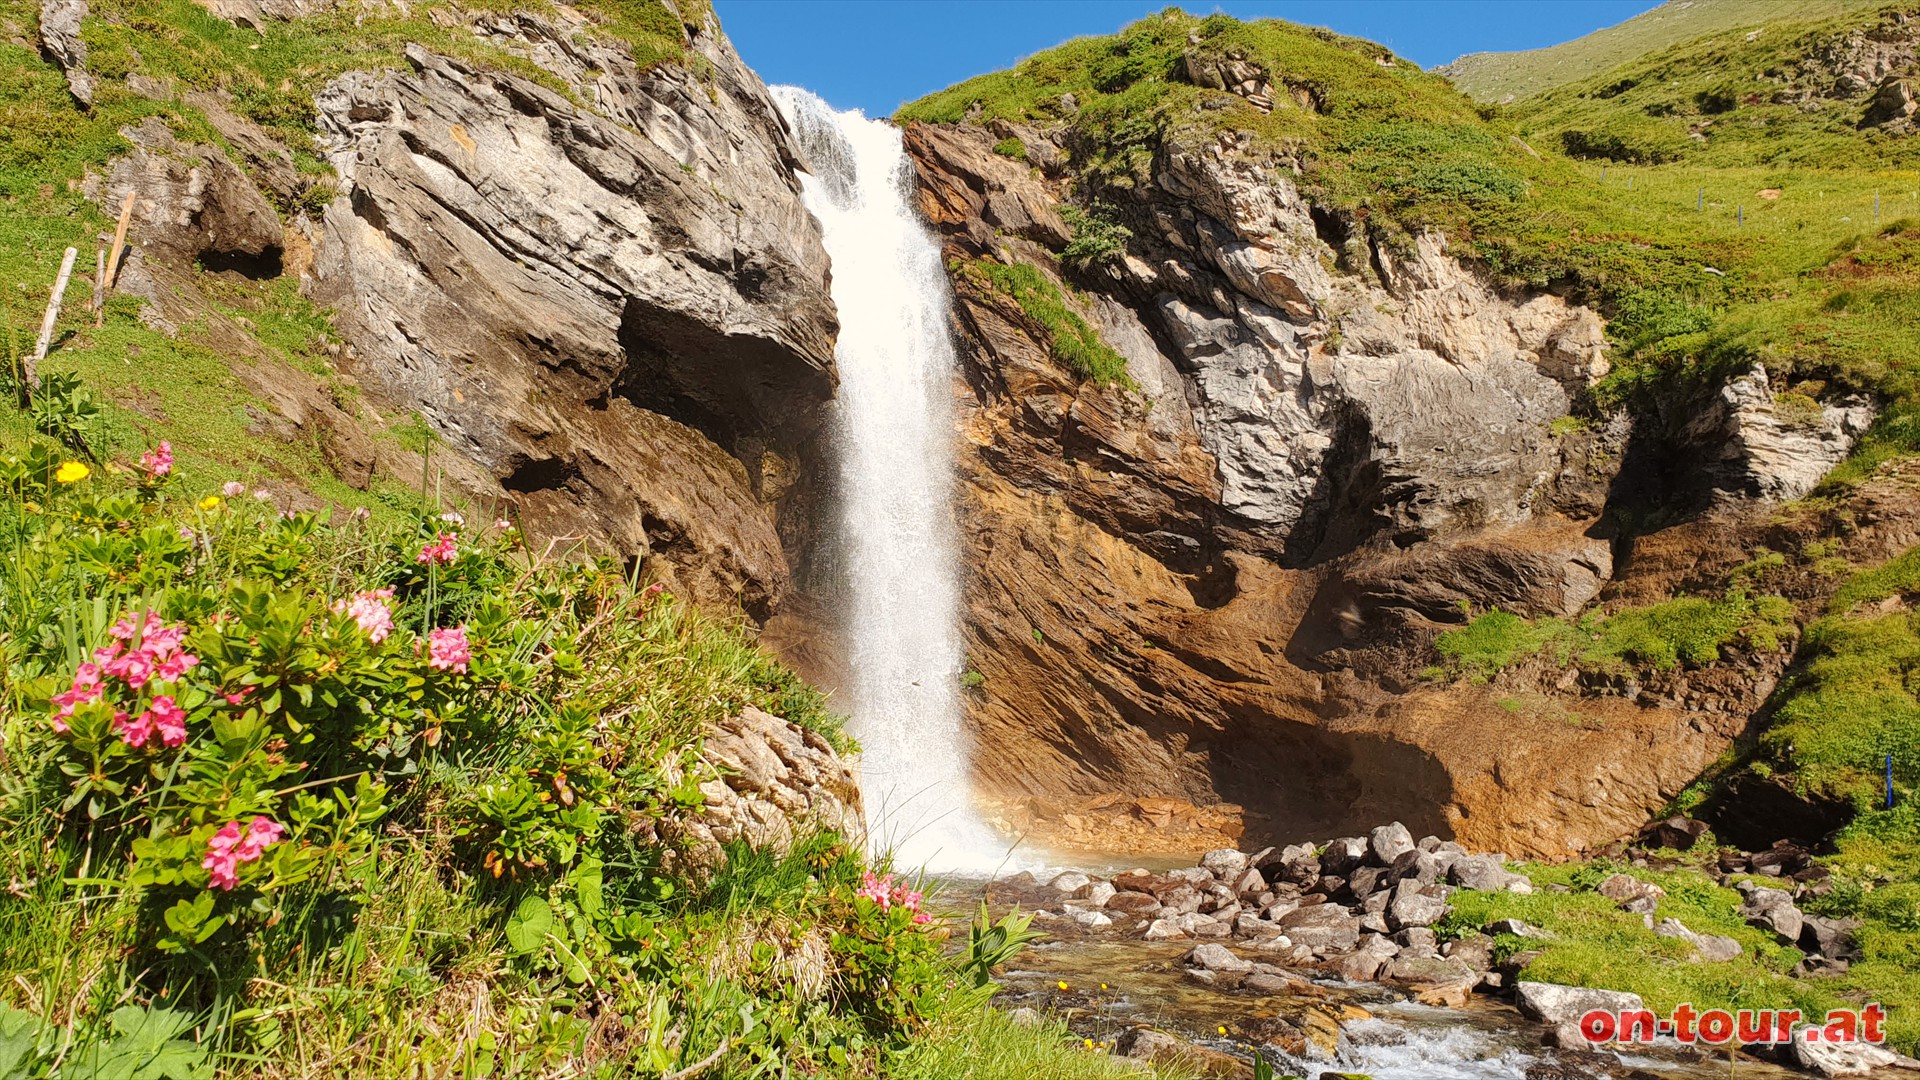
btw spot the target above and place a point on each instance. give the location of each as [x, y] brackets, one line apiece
[1510, 76]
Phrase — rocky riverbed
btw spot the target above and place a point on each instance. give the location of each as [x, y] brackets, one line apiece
[1346, 955]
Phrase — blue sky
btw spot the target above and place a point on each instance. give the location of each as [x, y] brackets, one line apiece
[876, 54]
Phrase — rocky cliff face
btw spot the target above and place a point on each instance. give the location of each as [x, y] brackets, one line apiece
[1221, 584]
[612, 300]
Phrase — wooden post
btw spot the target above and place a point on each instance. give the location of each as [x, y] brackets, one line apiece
[99, 284]
[53, 316]
[119, 240]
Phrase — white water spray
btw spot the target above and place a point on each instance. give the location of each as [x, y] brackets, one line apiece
[895, 536]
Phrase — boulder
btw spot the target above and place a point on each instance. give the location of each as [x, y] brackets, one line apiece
[1363, 881]
[1387, 843]
[1322, 926]
[1631, 894]
[1421, 866]
[1090, 918]
[1419, 939]
[1845, 1058]
[1516, 927]
[1678, 832]
[1829, 938]
[1165, 930]
[1096, 892]
[60, 40]
[1359, 966]
[1249, 883]
[1134, 903]
[1225, 864]
[1486, 873]
[1342, 855]
[1773, 909]
[1214, 957]
[1711, 947]
[1179, 1055]
[1475, 951]
[1433, 980]
[1069, 883]
[1415, 909]
[1181, 899]
[1551, 1003]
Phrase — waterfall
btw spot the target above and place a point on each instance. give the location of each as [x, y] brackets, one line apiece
[894, 538]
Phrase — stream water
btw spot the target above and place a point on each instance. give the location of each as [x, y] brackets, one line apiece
[894, 539]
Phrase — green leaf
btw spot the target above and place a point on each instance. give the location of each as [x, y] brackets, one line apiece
[587, 883]
[529, 925]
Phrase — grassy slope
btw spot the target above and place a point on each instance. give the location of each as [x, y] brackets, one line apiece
[1511, 76]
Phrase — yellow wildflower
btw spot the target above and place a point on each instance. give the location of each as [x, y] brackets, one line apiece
[1223, 1029]
[211, 502]
[72, 473]
[1063, 984]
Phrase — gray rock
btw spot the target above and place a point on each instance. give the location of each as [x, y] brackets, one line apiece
[1248, 884]
[1165, 930]
[1343, 855]
[1181, 900]
[1828, 937]
[1773, 909]
[1751, 445]
[1261, 983]
[1323, 926]
[1359, 966]
[1846, 1058]
[1631, 894]
[1387, 843]
[1414, 909]
[778, 776]
[1435, 980]
[1197, 876]
[1421, 866]
[1711, 947]
[1096, 892]
[1070, 882]
[1551, 1003]
[1516, 927]
[1225, 864]
[60, 40]
[1363, 881]
[1375, 922]
[1417, 938]
[1215, 957]
[1090, 918]
[1475, 951]
[1486, 873]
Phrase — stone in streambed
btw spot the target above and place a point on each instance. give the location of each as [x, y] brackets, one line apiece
[1434, 980]
[1551, 1003]
[1070, 882]
[1224, 864]
[1219, 958]
[1322, 926]
[1134, 903]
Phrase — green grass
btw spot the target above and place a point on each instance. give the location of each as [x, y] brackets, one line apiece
[1070, 338]
[1510, 76]
[1685, 630]
[1597, 944]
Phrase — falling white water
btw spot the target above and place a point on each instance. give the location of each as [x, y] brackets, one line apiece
[895, 538]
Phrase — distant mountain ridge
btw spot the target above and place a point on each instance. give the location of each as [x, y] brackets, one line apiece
[1510, 76]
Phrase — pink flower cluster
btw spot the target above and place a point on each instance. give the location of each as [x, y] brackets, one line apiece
[230, 847]
[158, 461]
[370, 610]
[442, 550]
[140, 653]
[449, 650]
[883, 891]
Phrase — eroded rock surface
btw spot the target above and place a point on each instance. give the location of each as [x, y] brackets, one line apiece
[1221, 585]
[620, 310]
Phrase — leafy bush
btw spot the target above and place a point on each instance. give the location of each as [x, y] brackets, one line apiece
[1096, 237]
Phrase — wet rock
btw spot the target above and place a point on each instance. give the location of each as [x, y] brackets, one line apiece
[1433, 980]
[1217, 958]
[1166, 1050]
[1711, 947]
[1389, 842]
[1631, 894]
[1846, 1058]
[1551, 1003]
[1261, 983]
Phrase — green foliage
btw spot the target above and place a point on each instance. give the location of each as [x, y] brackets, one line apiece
[991, 944]
[347, 799]
[1011, 147]
[1072, 340]
[1685, 630]
[1097, 238]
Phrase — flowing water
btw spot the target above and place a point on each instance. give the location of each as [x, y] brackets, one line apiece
[895, 539]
